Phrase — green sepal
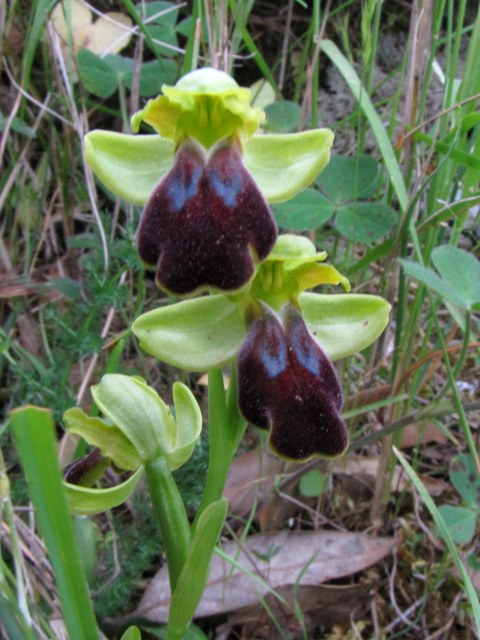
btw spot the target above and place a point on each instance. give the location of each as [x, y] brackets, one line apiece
[196, 335]
[202, 334]
[129, 166]
[282, 165]
[344, 324]
[194, 576]
[107, 437]
[145, 420]
[86, 501]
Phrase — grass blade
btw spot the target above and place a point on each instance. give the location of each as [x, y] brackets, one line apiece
[351, 78]
[34, 437]
[439, 521]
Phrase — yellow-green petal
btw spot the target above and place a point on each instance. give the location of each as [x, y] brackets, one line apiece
[206, 104]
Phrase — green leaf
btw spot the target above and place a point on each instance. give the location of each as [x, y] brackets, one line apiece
[433, 281]
[86, 501]
[16, 125]
[461, 270]
[33, 430]
[193, 578]
[466, 480]
[166, 12]
[460, 522]
[347, 178]
[129, 166]
[87, 536]
[153, 75]
[121, 66]
[282, 117]
[196, 335]
[344, 324]
[132, 633]
[365, 221]
[307, 210]
[284, 165]
[313, 483]
[263, 94]
[165, 38]
[96, 74]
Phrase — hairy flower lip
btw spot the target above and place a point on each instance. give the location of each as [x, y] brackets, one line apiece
[206, 225]
[288, 385]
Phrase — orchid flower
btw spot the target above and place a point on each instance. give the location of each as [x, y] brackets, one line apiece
[206, 180]
[287, 384]
[283, 338]
[137, 430]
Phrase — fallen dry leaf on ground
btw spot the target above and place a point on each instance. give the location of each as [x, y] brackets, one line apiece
[281, 559]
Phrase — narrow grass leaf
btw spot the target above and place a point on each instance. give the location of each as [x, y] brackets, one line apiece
[445, 533]
[33, 430]
[381, 135]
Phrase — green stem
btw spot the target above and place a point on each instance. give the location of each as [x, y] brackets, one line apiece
[171, 516]
[219, 460]
[226, 428]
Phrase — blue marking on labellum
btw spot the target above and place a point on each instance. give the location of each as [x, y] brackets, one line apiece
[228, 188]
[183, 186]
[274, 352]
[303, 346]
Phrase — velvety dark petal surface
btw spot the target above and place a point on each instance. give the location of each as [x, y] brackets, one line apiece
[87, 469]
[287, 383]
[206, 222]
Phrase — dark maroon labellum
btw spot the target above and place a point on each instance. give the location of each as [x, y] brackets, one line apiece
[287, 384]
[206, 222]
[85, 471]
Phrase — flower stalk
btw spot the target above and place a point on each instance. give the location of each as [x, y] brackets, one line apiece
[171, 516]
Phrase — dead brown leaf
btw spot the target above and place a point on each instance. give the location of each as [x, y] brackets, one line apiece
[266, 562]
[321, 605]
[367, 467]
[250, 480]
[421, 433]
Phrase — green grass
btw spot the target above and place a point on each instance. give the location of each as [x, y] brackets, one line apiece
[71, 283]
